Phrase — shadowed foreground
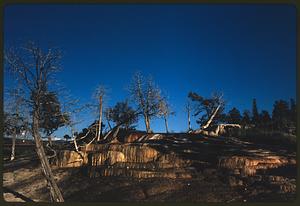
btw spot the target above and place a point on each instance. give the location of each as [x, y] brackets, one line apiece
[167, 168]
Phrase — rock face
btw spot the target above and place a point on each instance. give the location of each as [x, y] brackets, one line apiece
[130, 152]
[234, 162]
[130, 159]
[135, 160]
[248, 166]
[67, 158]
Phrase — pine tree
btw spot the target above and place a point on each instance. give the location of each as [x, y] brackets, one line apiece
[255, 114]
[234, 116]
[122, 114]
[51, 117]
[293, 111]
[265, 120]
[246, 119]
[280, 115]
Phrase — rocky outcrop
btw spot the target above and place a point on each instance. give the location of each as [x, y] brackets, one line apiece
[238, 164]
[135, 160]
[138, 173]
[68, 158]
[248, 166]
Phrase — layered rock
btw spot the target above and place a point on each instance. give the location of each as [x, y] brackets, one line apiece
[248, 166]
[69, 159]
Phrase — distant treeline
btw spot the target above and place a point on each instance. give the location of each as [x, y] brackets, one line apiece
[283, 117]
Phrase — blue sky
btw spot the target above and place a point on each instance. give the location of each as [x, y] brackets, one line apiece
[244, 51]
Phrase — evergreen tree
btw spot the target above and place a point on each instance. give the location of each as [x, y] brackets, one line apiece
[255, 114]
[280, 115]
[122, 114]
[293, 111]
[246, 119]
[51, 115]
[234, 116]
[265, 120]
[67, 137]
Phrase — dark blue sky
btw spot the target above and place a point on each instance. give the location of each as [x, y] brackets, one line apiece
[244, 51]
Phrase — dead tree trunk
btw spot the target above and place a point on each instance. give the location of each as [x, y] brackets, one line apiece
[109, 124]
[50, 140]
[75, 144]
[100, 118]
[13, 146]
[211, 118]
[189, 118]
[35, 69]
[166, 124]
[147, 123]
[55, 193]
[205, 132]
[74, 139]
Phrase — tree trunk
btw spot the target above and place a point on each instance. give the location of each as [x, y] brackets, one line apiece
[147, 123]
[109, 125]
[166, 124]
[50, 140]
[211, 118]
[55, 193]
[74, 139]
[75, 144]
[100, 118]
[13, 146]
[189, 120]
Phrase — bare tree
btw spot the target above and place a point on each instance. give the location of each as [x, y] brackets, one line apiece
[71, 108]
[15, 120]
[99, 94]
[165, 111]
[146, 96]
[35, 68]
[188, 111]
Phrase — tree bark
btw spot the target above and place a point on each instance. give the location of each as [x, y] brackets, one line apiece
[50, 140]
[55, 193]
[100, 118]
[147, 123]
[13, 146]
[166, 124]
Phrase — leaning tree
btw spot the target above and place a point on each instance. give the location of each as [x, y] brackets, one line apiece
[210, 114]
[35, 68]
[208, 110]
